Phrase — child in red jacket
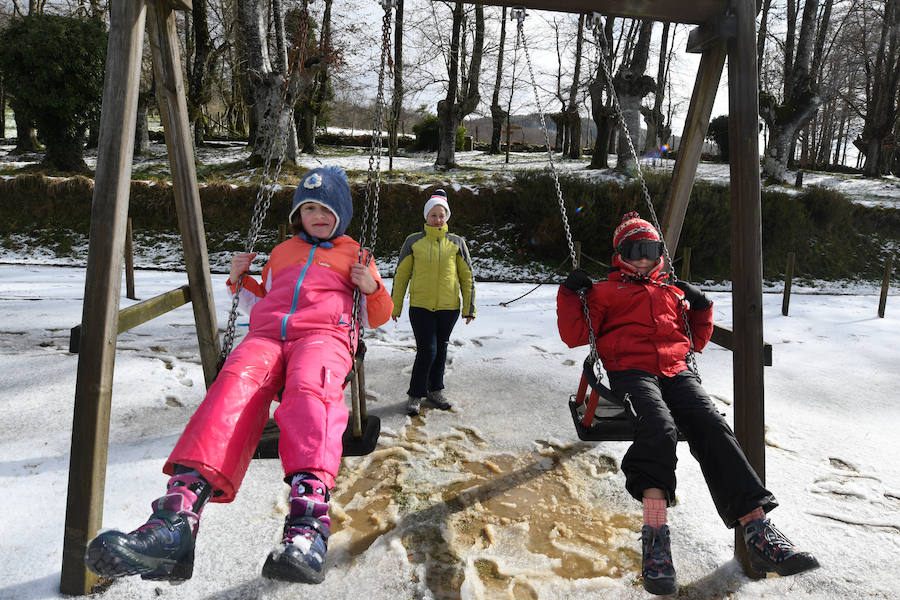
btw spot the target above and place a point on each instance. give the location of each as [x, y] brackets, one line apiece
[639, 327]
[300, 340]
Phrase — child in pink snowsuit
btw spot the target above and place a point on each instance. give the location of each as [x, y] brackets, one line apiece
[300, 341]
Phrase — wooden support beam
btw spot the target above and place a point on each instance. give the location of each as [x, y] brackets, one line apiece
[696, 11]
[174, 116]
[186, 5]
[712, 62]
[138, 314]
[723, 336]
[746, 248]
[103, 282]
[713, 33]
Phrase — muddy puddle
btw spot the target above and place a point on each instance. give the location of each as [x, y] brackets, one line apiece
[496, 524]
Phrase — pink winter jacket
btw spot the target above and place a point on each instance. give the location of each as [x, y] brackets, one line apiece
[307, 288]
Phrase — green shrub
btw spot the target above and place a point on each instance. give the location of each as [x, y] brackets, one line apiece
[718, 133]
[832, 238]
[53, 67]
[427, 133]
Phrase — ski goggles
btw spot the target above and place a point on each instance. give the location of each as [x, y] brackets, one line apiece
[638, 249]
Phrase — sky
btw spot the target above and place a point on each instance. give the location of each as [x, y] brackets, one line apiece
[494, 499]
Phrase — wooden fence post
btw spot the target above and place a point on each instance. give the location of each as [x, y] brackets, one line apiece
[888, 264]
[686, 264]
[129, 263]
[788, 277]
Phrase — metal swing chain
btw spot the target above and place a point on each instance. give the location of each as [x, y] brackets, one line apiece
[519, 15]
[373, 179]
[266, 189]
[595, 21]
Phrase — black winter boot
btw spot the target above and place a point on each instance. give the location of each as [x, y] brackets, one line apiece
[163, 547]
[770, 550]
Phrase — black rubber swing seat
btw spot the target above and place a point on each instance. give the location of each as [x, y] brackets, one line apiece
[361, 435]
[600, 416]
[353, 445]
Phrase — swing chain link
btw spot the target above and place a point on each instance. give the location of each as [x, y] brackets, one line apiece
[519, 15]
[373, 178]
[596, 22]
[267, 185]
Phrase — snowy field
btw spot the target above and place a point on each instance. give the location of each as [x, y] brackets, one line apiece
[494, 499]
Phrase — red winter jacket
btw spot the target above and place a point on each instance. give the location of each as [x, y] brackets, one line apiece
[638, 324]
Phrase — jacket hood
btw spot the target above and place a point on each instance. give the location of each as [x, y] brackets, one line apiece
[329, 187]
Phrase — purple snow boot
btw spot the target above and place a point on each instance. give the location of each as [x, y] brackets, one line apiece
[300, 557]
[163, 547]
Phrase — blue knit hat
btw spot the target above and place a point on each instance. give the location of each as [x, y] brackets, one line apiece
[329, 187]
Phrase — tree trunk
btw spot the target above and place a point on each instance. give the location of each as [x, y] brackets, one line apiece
[653, 117]
[602, 114]
[462, 96]
[881, 106]
[316, 97]
[497, 113]
[198, 82]
[631, 86]
[2, 109]
[26, 138]
[801, 96]
[761, 35]
[447, 124]
[271, 118]
[397, 100]
[573, 119]
[66, 155]
[781, 141]
[141, 131]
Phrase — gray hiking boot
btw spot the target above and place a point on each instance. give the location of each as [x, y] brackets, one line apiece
[413, 405]
[658, 571]
[770, 550]
[438, 399]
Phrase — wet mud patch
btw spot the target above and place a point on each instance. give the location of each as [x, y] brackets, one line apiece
[501, 524]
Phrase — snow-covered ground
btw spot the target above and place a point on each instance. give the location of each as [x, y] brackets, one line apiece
[494, 499]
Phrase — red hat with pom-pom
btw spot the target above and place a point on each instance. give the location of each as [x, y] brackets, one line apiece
[633, 227]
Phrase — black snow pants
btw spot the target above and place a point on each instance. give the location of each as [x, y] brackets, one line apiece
[664, 405]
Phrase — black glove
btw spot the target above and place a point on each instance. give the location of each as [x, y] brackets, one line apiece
[578, 280]
[697, 299]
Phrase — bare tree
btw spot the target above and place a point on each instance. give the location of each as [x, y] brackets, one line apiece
[198, 90]
[801, 96]
[653, 117]
[631, 85]
[312, 103]
[397, 98]
[497, 112]
[602, 110]
[573, 119]
[462, 90]
[273, 91]
[882, 85]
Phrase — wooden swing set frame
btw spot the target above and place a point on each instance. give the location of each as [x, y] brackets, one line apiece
[726, 27]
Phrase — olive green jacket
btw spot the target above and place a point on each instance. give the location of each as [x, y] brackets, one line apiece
[438, 269]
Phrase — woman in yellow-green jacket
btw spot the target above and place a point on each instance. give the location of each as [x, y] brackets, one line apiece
[438, 270]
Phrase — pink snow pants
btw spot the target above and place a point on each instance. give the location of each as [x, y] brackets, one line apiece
[223, 433]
